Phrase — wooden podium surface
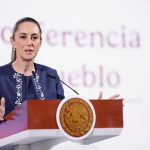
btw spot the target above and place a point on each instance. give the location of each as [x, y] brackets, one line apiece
[40, 115]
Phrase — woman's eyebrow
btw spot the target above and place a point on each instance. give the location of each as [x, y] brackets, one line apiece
[26, 33]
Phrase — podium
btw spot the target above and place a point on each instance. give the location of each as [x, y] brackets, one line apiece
[34, 123]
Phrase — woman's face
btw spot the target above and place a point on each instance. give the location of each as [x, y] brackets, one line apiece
[27, 41]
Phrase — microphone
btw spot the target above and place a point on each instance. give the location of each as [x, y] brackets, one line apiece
[33, 73]
[53, 77]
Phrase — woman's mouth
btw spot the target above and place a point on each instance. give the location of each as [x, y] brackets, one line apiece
[29, 51]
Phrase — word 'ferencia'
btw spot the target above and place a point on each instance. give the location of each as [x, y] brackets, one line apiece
[121, 38]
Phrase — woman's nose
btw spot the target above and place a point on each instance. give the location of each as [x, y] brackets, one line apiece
[29, 42]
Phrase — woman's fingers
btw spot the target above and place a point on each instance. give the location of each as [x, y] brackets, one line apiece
[100, 95]
[2, 108]
[3, 102]
[114, 96]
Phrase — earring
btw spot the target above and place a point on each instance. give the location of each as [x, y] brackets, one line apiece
[13, 48]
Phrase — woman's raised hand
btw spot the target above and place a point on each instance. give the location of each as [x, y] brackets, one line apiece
[111, 97]
[2, 108]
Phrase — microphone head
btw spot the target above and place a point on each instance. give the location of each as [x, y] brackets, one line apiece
[33, 73]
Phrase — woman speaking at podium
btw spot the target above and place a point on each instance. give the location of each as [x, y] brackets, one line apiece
[22, 78]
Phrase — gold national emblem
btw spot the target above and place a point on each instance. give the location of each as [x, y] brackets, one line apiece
[76, 117]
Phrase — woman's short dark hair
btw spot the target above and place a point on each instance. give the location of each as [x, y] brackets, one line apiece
[25, 19]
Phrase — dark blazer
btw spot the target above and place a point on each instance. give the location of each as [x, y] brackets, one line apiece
[43, 84]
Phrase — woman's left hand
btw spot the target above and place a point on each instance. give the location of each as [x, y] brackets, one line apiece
[115, 96]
